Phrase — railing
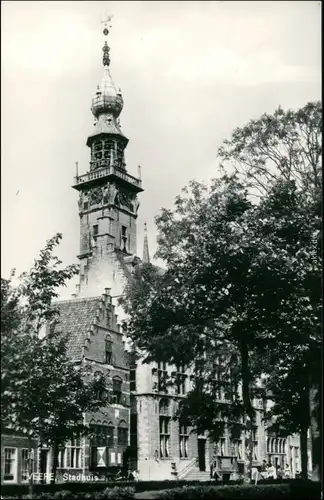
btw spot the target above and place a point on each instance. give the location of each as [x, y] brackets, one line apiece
[183, 472]
[107, 170]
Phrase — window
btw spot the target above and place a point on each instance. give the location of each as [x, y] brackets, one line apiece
[221, 446]
[108, 351]
[61, 458]
[255, 443]
[102, 435]
[162, 377]
[132, 379]
[268, 445]
[124, 238]
[255, 450]
[95, 230]
[73, 451]
[276, 445]
[181, 380]
[122, 433]
[10, 464]
[164, 436]
[24, 468]
[164, 407]
[183, 439]
[117, 391]
[238, 449]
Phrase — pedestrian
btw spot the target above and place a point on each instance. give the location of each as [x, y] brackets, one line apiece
[287, 473]
[271, 471]
[211, 471]
[264, 470]
[280, 473]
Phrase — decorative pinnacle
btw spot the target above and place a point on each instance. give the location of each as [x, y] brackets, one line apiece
[146, 253]
[106, 48]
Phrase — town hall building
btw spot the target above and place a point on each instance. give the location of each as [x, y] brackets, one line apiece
[136, 430]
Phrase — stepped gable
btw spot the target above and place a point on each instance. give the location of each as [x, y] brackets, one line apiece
[76, 319]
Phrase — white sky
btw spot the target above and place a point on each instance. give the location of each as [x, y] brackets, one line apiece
[190, 72]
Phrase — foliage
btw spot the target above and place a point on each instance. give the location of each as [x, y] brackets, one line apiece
[43, 393]
[242, 280]
[273, 491]
[286, 145]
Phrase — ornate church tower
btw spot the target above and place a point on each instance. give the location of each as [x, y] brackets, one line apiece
[108, 201]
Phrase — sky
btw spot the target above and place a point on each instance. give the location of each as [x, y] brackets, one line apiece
[190, 72]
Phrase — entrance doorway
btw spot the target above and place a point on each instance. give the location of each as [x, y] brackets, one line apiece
[201, 454]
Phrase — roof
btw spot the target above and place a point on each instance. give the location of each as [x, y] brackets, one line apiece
[76, 319]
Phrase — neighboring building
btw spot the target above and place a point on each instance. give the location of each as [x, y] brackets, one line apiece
[136, 430]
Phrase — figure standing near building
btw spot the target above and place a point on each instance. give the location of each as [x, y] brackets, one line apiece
[271, 471]
[287, 473]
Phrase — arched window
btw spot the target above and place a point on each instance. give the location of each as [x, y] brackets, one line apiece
[110, 152]
[117, 390]
[122, 433]
[164, 407]
[284, 449]
[164, 427]
[268, 445]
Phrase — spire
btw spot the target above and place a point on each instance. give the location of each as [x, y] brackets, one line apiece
[106, 48]
[146, 255]
[107, 100]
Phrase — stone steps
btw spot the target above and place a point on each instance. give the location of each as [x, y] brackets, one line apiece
[197, 475]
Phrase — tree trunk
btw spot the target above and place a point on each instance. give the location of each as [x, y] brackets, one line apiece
[303, 453]
[30, 470]
[248, 410]
[54, 462]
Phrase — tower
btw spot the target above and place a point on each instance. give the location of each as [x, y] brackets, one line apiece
[108, 201]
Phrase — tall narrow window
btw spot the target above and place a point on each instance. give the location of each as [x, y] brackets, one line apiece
[221, 447]
[183, 439]
[132, 379]
[164, 436]
[162, 377]
[95, 230]
[108, 351]
[238, 448]
[124, 238]
[122, 433]
[181, 380]
[164, 422]
[61, 458]
[74, 454]
[10, 464]
[117, 391]
[24, 469]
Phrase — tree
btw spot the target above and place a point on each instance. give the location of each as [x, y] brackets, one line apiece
[204, 300]
[44, 394]
[239, 277]
[287, 146]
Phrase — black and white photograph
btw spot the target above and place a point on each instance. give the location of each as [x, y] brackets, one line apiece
[161, 250]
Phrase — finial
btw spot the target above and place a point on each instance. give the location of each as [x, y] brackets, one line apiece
[106, 48]
[77, 168]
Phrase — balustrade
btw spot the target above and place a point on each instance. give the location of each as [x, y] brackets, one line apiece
[104, 169]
